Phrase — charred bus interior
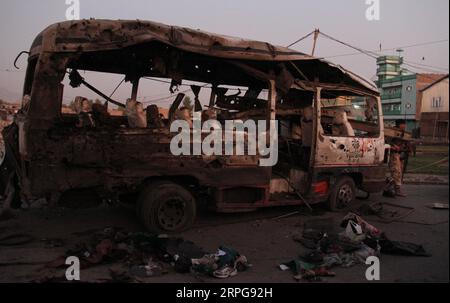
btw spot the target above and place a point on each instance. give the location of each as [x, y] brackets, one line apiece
[234, 91]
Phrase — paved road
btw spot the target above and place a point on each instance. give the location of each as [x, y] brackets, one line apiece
[266, 242]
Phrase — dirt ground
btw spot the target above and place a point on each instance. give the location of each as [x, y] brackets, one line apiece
[265, 241]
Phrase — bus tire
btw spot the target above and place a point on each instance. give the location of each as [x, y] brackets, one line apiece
[166, 207]
[343, 194]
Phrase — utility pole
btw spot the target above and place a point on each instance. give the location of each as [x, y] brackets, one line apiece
[316, 35]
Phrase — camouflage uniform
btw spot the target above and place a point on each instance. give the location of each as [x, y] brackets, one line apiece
[396, 167]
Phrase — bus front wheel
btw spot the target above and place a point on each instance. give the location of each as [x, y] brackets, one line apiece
[166, 207]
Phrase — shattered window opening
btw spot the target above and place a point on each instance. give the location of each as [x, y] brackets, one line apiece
[350, 117]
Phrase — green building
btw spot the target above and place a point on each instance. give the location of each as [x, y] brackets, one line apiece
[400, 91]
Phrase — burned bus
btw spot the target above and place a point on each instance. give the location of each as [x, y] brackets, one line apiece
[330, 136]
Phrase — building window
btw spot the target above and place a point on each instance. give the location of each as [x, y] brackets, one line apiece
[392, 92]
[392, 108]
[436, 102]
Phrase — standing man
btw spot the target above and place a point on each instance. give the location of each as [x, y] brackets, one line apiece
[398, 155]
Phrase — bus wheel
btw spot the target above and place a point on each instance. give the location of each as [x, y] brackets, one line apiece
[343, 194]
[166, 207]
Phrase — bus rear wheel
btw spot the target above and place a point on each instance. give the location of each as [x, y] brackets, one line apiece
[343, 194]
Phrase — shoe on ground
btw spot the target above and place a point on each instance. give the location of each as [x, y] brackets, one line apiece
[225, 272]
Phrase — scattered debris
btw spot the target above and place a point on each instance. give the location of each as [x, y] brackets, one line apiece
[287, 215]
[225, 263]
[151, 269]
[144, 255]
[358, 241]
[387, 212]
[402, 248]
[438, 206]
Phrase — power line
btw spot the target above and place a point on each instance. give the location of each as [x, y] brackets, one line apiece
[389, 49]
[366, 52]
[425, 75]
[421, 44]
[431, 70]
[159, 80]
[117, 87]
[164, 98]
[302, 38]
[375, 55]
[425, 65]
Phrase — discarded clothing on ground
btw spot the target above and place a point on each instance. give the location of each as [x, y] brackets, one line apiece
[151, 269]
[375, 237]
[365, 226]
[306, 271]
[402, 248]
[358, 241]
[225, 263]
[145, 255]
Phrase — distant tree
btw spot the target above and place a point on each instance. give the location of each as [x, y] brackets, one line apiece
[187, 103]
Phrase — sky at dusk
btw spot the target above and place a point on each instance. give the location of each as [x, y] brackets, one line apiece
[420, 27]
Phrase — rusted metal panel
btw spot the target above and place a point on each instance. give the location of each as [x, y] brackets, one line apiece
[344, 151]
[92, 35]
